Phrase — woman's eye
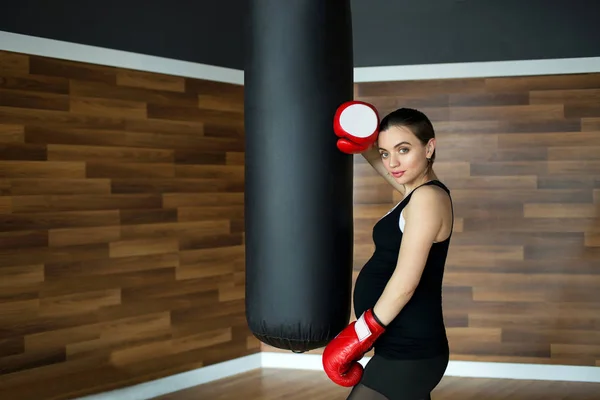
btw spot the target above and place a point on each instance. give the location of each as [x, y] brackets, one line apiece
[402, 151]
[384, 155]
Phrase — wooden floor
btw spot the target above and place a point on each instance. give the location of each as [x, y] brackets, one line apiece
[276, 384]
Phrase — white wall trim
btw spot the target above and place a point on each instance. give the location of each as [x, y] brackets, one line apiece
[184, 380]
[472, 369]
[478, 69]
[122, 59]
[116, 58]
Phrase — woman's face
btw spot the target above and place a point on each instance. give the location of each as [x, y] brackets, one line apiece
[403, 154]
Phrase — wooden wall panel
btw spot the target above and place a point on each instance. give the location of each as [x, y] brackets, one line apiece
[522, 158]
[121, 227]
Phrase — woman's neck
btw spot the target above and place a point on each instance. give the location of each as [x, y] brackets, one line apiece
[428, 177]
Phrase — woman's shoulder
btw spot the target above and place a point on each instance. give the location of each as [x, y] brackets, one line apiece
[430, 197]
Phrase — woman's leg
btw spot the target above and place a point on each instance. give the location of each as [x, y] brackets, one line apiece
[386, 379]
[362, 392]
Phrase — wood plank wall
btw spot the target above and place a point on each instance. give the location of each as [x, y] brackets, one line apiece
[121, 227]
[522, 158]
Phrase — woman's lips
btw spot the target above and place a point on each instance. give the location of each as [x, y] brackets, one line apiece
[398, 174]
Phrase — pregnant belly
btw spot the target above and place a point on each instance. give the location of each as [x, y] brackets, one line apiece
[368, 288]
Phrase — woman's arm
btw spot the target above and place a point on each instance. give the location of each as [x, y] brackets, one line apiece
[424, 218]
[374, 158]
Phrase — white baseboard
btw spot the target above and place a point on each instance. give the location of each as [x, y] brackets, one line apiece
[142, 62]
[470, 369]
[184, 380]
[541, 372]
[312, 362]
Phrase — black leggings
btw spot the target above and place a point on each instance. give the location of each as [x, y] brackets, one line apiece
[386, 379]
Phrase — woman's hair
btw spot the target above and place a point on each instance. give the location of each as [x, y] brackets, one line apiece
[415, 120]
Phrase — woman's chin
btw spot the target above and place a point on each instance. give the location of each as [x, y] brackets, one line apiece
[400, 178]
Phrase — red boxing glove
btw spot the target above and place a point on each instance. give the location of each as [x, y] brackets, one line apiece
[357, 125]
[341, 355]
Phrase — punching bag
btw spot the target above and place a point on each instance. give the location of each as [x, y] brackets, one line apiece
[298, 185]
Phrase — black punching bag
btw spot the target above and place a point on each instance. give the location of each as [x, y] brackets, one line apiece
[298, 185]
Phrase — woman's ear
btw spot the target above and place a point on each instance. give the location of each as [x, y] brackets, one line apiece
[430, 147]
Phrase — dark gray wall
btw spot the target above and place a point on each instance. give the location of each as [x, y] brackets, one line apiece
[406, 32]
[203, 31]
[386, 32]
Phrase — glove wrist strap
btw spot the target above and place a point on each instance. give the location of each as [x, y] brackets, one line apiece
[377, 319]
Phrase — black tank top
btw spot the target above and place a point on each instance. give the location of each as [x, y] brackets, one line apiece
[418, 331]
